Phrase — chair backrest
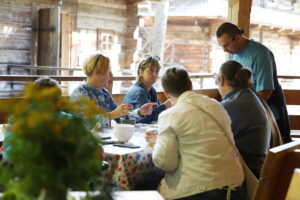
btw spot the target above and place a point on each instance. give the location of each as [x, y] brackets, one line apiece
[276, 139]
[277, 170]
[293, 102]
[294, 187]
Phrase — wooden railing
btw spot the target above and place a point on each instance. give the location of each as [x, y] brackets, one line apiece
[12, 79]
[80, 78]
[119, 98]
[57, 70]
[292, 96]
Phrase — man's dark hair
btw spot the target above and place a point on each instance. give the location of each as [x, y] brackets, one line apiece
[230, 29]
[176, 81]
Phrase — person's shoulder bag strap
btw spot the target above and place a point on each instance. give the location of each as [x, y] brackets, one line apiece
[250, 178]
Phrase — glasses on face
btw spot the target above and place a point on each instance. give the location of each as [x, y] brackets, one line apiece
[216, 78]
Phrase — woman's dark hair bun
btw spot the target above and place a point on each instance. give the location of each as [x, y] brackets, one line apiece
[236, 75]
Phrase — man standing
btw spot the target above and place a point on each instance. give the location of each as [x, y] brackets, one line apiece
[260, 60]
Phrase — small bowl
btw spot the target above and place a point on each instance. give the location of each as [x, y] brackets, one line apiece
[123, 132]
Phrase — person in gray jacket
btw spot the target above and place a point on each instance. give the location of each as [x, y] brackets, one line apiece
[250, 126]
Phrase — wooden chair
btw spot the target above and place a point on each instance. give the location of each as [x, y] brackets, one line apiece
[277, 171]
[294, 188]
[276, 139]
[292, 101]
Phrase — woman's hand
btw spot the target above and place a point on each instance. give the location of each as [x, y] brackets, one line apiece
[146, 109]
[151, 138]
[168, 103]
[120, 111]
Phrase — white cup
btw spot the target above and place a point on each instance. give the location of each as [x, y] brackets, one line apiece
[123, 132]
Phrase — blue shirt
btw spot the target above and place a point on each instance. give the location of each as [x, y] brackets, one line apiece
[252, 132]
[138, 96]
[260, 60]
[101, 97]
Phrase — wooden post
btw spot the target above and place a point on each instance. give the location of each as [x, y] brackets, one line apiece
[48, 37]
[160, 28]
[239, 14]
[66, 40]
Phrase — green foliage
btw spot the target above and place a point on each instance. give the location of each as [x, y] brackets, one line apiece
[50, 150]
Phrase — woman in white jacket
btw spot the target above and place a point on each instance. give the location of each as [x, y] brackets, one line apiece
[194, 144]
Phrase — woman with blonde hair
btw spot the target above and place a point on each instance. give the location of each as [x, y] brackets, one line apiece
[98, 71]
[142, 91]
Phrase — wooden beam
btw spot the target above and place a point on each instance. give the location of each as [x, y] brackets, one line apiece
[66, 40]
[160, 28]
[239, 14]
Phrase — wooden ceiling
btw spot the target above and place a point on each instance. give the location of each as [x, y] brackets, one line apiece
[281, 31]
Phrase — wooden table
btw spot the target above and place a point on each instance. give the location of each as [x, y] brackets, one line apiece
[131, 168]
[124, 195]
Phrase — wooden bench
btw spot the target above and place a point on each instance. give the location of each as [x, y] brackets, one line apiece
[293, 101]
[212, 93]
[294, 187]
[277, 171]
[119, 98]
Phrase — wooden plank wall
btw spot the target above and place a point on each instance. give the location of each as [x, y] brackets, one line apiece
[86, 20]
[15, 35]
[109, 14]
[189, 44]
[17, 17]
[94, 17]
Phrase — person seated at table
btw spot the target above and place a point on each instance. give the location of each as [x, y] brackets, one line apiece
[195, 145]
[249, 120]
[142, 91]
[42, 83]
[98, 72]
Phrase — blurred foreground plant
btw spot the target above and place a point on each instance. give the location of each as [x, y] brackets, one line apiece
[51, 149]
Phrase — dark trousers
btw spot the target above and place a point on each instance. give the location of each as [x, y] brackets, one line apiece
[219, 194]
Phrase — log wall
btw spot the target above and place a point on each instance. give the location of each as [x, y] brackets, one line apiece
[87, 21]
[114, 17]
[15, 35]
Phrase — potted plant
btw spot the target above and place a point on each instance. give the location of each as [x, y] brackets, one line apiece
[51, 148]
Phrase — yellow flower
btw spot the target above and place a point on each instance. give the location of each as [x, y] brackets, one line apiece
[33, 119]
[17, 127]
[20, 108]
[40, 106]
